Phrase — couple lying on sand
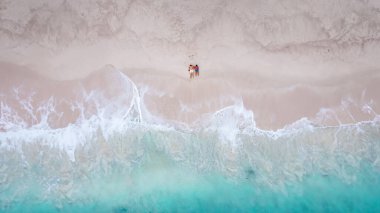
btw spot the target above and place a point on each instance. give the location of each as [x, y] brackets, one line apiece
[193, 70]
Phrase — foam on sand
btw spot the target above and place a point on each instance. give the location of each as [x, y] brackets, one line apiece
[97, 112]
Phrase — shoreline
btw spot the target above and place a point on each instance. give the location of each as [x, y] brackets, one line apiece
[274, 103]
[174, 97]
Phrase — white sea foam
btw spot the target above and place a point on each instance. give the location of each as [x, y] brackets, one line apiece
[283, 95]
[227, 140]
[129, 139]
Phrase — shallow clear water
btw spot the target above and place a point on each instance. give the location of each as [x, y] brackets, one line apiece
[122, 159]
[152, 170]
[172, 190]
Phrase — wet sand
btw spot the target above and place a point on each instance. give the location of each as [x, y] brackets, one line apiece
[275, 102]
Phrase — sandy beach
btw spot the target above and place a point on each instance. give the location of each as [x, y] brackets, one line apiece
[282, 66]
[98, 113]
[275, 102]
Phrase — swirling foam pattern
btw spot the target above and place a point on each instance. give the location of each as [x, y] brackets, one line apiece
[123, 159]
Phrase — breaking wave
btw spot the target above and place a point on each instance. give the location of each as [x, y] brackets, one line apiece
[101, 148]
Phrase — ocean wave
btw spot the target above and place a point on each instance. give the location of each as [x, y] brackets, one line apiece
[113, 135]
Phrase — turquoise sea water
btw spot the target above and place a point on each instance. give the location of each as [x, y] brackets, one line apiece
[150, 170]
[210, 193]
[115, 158]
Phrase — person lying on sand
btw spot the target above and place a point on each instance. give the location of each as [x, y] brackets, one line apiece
[191, 71]
[196, 68]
